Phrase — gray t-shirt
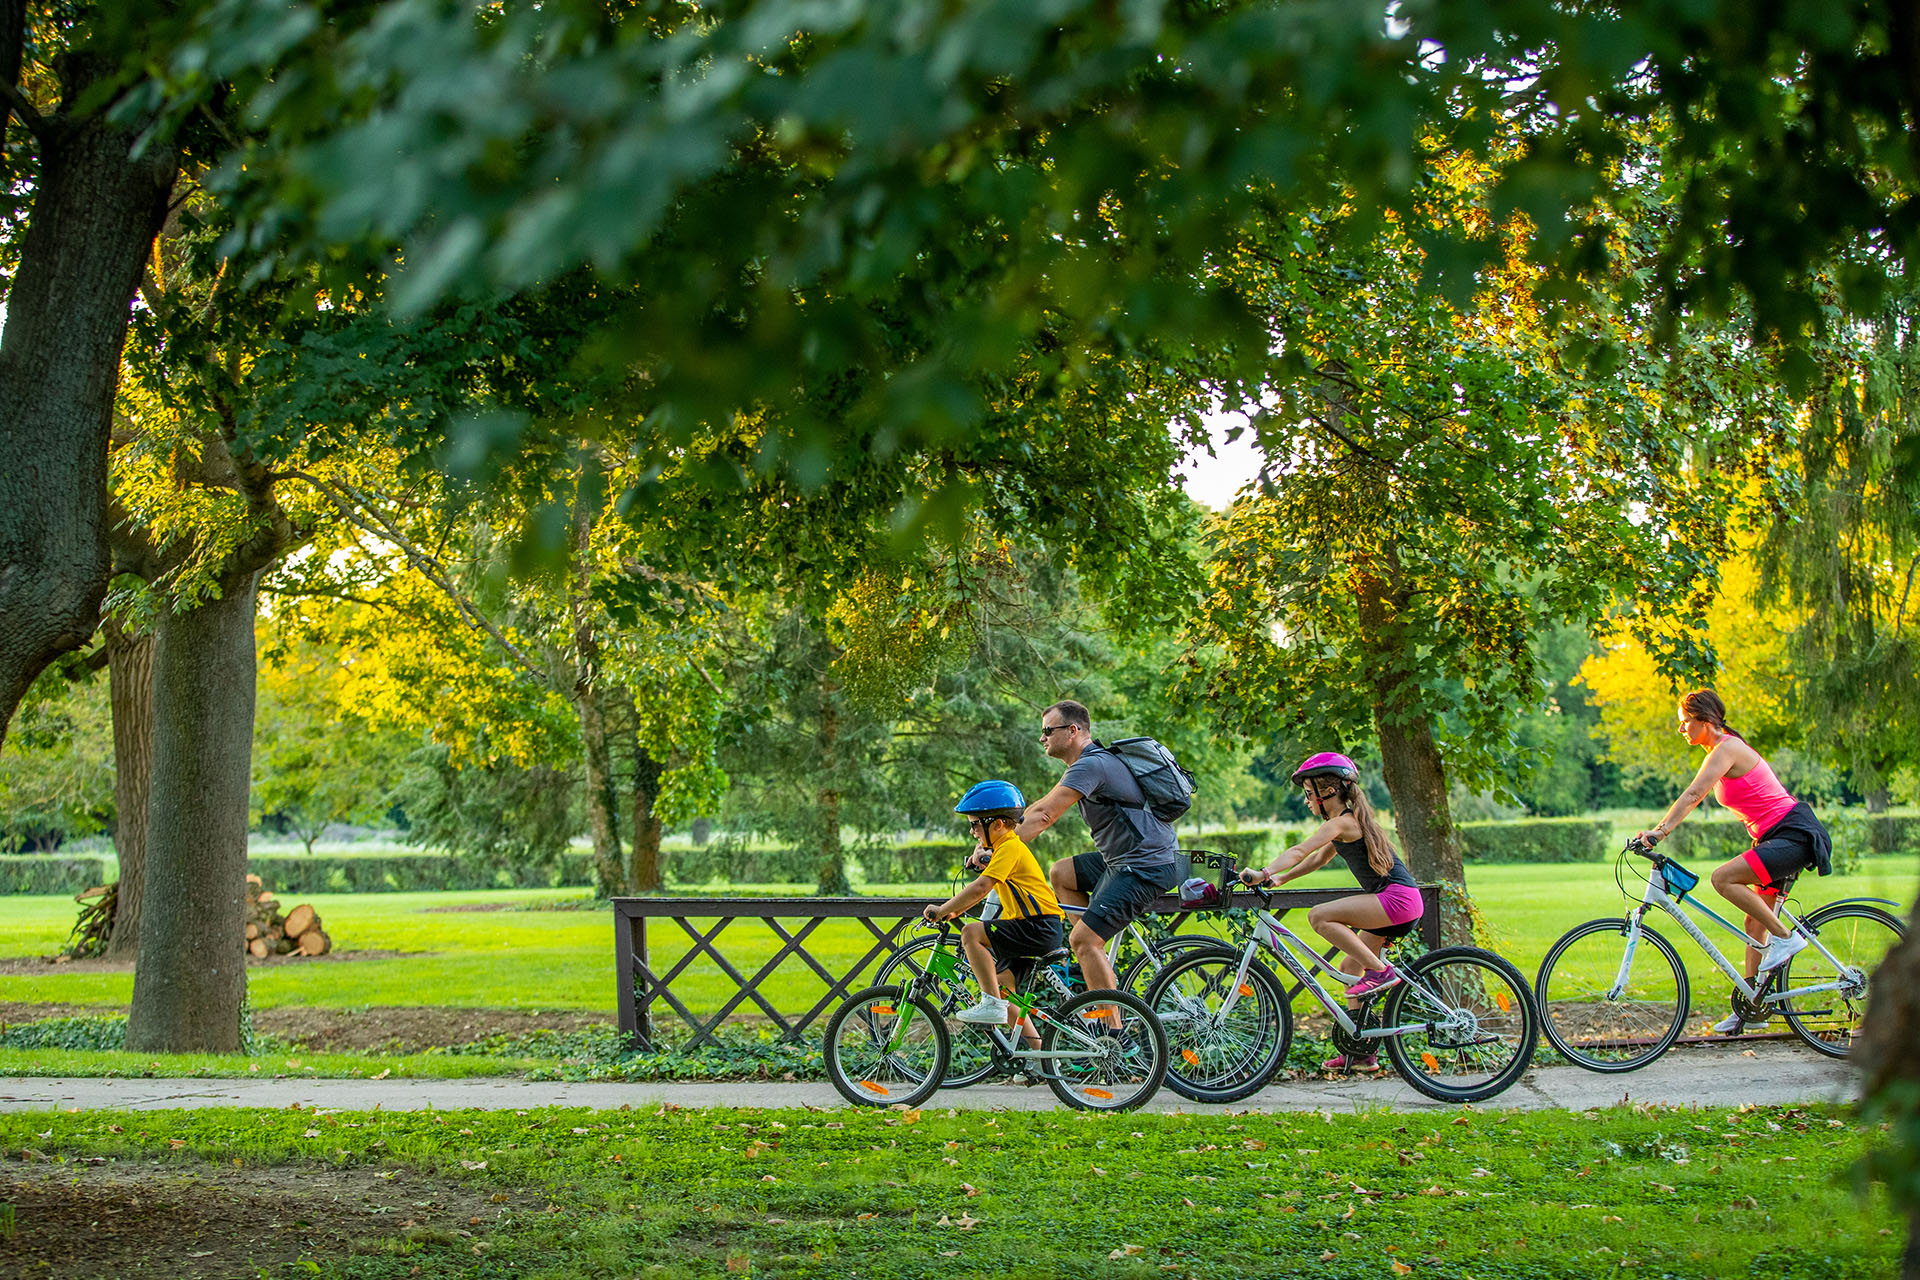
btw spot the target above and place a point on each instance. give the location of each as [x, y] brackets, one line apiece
[1126, 836]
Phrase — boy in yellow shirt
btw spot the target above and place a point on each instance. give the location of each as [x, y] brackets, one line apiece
[1029, 924]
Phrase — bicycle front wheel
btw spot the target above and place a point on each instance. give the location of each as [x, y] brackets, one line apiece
[1858, 937]
[1226, 1034]
[1104, 1070]
[970, 1046]
[884, 1047]
[1607, 1011]
[1475, 1019]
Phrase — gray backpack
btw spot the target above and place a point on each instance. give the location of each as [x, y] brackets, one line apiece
[1166, 787]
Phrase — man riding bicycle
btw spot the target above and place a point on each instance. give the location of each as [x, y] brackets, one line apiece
[1137, 855]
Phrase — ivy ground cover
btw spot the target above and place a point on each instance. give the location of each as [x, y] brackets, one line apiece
[671, 1193]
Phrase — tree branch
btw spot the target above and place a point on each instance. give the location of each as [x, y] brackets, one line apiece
[361, 512]
[16, 104]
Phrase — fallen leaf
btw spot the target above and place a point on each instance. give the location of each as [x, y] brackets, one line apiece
[970, 1189]
[1402, 1269]
[1126, 1251]
[1328, 1256]
[473, 1165]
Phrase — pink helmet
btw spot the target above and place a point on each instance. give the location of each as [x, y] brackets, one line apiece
[1327, 764]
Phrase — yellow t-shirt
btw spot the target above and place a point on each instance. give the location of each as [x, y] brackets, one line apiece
[1024, 891]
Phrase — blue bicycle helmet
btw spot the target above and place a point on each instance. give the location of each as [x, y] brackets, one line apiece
[992, 799]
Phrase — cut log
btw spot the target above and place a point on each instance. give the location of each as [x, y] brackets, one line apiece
[282, 947]
[253, 881]
[299, 920]
[253, 931]
[265, 895]
[258, 949]
[315, 942]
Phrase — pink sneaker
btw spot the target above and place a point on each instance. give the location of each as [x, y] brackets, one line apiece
[1374, 980]
[1357, 1062]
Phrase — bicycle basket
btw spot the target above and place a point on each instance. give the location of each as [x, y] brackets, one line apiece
[1678, 878]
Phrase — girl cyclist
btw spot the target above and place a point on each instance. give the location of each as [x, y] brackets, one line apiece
[1359, 925]
[1787, 838]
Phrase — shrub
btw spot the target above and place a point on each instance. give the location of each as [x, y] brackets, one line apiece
[1536, 840]
[54, 873]
[1708, 840]
[410, 873]
[1889, 834]
[1243, 845]
[727, 859]
[921, 862]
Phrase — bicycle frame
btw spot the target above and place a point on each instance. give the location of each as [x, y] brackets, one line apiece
[1668, 899]
[1281, 941]
[945, 964]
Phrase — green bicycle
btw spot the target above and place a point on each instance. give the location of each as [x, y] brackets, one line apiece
[889, 1045]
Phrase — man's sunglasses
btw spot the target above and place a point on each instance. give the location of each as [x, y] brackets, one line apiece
[1047, 730]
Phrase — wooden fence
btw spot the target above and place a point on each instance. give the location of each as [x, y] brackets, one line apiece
[646, 993]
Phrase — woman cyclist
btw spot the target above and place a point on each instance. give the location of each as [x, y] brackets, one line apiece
[1390, 904]
[1787, 838]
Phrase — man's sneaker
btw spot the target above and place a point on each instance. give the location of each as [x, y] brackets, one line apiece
[1781, 950]
[1352, 1062]
[1733, 1025]
[1122, 1040]
[991, 1011]
[1375, 980]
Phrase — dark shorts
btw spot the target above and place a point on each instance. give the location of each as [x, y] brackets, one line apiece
[1789, 847]
[1016, 943]
[1120, 895]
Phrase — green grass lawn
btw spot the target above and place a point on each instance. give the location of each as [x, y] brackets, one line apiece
[564, 959]
[545, 1194]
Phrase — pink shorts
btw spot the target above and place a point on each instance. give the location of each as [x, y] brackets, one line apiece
[1401, 903]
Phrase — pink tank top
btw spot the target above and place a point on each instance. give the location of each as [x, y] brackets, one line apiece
[1756, 796]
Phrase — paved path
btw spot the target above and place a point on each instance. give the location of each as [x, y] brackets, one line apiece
[1718, 1076]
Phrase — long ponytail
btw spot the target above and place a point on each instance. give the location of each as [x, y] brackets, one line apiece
[1380, 850]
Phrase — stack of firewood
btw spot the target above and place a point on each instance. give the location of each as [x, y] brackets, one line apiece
[269, 933]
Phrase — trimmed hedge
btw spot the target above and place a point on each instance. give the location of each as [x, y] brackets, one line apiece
[1536, 840]
[421, 872]
[1707, 840]
[921, 862]
[1889, 834]
[54, 873]
[727, 862]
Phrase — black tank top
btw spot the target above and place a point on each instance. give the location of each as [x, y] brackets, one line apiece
[1354, 853]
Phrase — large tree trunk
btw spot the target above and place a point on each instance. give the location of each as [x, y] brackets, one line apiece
[191, 976]
[645, 873]
[96, 210]
[130, 681]
[1415, 775]
[832, 881]
[603, 808]
[1418, 783]
[1888, 1056]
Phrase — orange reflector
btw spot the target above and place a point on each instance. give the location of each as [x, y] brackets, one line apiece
[1500, 998]
[1098, 1093]
[880, 1089]
[1093, 1015]
[1430, 1062]
[1245, 990]
[1193, 1059]
[883, 1008]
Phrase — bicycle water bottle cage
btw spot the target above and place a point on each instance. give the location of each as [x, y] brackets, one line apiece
[1679, 879]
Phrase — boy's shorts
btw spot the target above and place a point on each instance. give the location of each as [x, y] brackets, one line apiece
[1017, 943]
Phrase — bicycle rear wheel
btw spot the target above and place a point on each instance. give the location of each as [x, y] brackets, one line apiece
[1859, 936]
[1147, 967]
[1214, 1056]
[970, 1045]
[1477, 1019]
[1596, 1026]
[1122, 1071]
[883, 1047]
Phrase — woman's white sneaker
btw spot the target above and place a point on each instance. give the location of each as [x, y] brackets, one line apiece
[1781, 950]
[1732, 1025]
